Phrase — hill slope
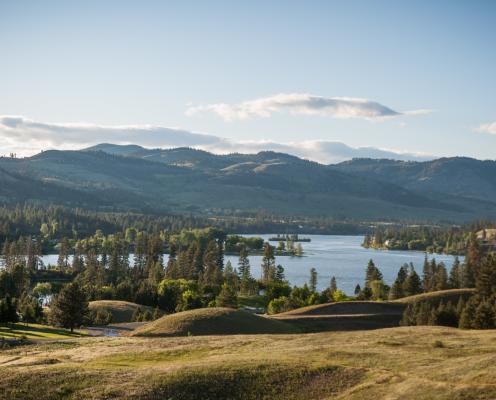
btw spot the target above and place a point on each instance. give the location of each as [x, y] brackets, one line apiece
[130, 178]
[122, 311]
[456, 176]
[408, 363]
[212, 321]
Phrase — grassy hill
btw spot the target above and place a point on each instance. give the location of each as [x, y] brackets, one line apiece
[130, 178]
[344, 316]
[213, 321]
[122, 311]
[452, 295]
[408, 363]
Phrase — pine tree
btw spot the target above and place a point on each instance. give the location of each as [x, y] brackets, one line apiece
[244, 270]
[70, 307]
[280, 277]
[227, 297]
[397, 291]
[412, 284]
[467, 316]
[313, 280]
[440, 278]
[486, 279]
[484, 317]
[372, 274]
[427, 275]
[358, 289]
[455, 276]
[334, 286]
[63, 258]
[268, 263]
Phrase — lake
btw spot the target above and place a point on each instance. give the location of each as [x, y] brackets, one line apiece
[334, 255]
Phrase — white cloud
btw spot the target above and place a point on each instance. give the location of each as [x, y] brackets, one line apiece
[487, 128]
[26, 137]
[300, 103]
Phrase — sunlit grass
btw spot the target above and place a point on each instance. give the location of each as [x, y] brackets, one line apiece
[36, 331]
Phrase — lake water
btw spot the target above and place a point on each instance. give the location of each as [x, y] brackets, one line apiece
[334, 255]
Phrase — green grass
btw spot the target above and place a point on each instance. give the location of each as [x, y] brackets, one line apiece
[36, 332]
[256, 301]
[122, 311]
[213, 321]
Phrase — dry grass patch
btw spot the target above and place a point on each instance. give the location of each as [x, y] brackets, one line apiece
[213, 321]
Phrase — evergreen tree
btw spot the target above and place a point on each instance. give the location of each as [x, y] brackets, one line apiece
[467, 316]
[244, 270]
[268, 263]
[484, 317]
[334, 286]
[70, 307]
[227, 297]
[455, 276]
[313, 280]
[63, 258]
[486, 279]
[372, 273]
[280, 273]
[412, 284]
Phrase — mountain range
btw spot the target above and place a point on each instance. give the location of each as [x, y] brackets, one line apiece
[132, 178]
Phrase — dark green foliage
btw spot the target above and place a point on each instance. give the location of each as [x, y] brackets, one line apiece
[70, 307]
[8, 312]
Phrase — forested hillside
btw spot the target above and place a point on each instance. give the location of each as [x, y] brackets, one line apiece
[131, 178]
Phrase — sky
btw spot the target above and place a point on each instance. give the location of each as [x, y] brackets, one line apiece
[325, 80]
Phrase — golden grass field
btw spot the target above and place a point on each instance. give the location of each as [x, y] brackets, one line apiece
[394, 363]
[220, 353]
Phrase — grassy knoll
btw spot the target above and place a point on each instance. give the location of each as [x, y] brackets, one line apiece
[452, 295]
[213, 321]
[344, 316]
[395, 363]
[35, 332]
[122, 311]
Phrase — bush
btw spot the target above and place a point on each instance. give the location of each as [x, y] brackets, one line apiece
[100, 317]
[279, 305]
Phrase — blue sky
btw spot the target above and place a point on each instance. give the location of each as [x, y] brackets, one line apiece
[115, 64]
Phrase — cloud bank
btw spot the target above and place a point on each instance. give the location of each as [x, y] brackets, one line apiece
[487, 128]
[27, 137]
[306, 104]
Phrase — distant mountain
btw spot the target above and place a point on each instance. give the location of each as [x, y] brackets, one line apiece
[456, 176]
[124, 178]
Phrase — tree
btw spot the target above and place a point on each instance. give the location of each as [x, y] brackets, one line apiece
[412, 284]
[280, 273]
[8, 311]
[372, 273]
[244, 270]
[268, 263]
[484, 316]
[313, 280]
[358, 289]
[467, 316]
[397, 291]
[334, 286]
[63, 258]
[227, 297]
[486, 279]
[455, 276]
[70, 307]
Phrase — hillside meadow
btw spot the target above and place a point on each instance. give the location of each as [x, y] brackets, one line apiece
[394, 363]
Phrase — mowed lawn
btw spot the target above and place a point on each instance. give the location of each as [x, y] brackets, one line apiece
[35, 332]
[395, 363]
